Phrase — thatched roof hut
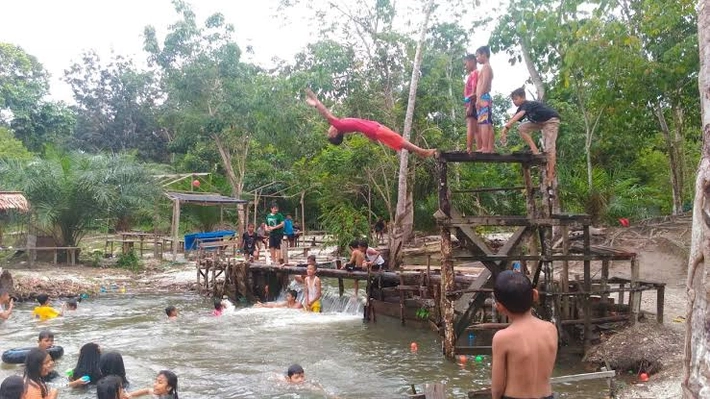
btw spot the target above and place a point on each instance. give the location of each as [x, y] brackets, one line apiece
[13, 201]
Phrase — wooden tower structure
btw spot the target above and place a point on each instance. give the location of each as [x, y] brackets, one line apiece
[469, 313]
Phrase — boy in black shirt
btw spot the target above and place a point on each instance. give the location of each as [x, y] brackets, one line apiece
[250, 243]
[540, 117]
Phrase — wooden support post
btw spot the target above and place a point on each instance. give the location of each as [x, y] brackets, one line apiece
[605, 284]
[621, 293]
[447, 266]
[634, 296]
[55, 255]
[564, 275]
[401, 299]
[587, 306]
[176, 227]
[341, 287]
[303, 214]
[660, 299]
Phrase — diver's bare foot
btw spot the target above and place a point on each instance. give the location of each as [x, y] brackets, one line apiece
[428, 153]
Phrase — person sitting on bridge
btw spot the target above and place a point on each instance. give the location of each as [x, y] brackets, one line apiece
[524, 352]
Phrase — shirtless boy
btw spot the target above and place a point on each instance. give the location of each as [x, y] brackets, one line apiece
[484, 101]
[524, 352]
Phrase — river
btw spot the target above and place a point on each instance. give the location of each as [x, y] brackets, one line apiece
[244, 353]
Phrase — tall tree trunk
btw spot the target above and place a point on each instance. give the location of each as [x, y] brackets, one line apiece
[236, 179]
[696, 381]
[532, 70]
[673, 161]
[404, 215]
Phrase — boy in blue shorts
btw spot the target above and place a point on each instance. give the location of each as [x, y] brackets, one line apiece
[484, 101]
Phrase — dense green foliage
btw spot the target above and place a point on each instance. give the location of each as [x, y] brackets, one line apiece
[622, 74]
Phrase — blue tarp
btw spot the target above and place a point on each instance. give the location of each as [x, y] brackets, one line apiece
[191, 245]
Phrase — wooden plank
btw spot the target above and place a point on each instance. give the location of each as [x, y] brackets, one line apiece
[635, 296]
[516, 157]
[447, 269]
[660, 303]
[564, 275]
[587, 306]
[474, 350]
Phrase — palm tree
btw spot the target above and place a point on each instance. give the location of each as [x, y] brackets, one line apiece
[68, 192]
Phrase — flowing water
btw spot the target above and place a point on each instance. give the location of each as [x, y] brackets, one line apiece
[244, 353]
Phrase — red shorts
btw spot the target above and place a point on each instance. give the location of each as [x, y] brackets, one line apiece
[389, 138]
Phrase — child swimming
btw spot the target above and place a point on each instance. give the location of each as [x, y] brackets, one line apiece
[172, 312]
[88, 366]
[44, 311]
[110, 388]
[38, 364]
[290, 302]
[165, 387]
[295, 374]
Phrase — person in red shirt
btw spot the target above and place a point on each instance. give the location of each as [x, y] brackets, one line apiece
[371, 129]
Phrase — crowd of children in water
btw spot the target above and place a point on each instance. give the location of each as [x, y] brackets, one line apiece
[105, 370]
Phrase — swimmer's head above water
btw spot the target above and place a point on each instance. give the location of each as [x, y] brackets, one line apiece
[295, 374]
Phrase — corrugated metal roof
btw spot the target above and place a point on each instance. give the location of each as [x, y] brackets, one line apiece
[13, 200]
[204, 198]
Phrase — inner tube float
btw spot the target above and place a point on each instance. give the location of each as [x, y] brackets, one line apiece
[18, 355]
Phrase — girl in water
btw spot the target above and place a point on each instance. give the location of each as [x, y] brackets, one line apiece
[38, 365]
[12, 387]
[165, 387]
[110, 387]
[111, 364]
[88, 366]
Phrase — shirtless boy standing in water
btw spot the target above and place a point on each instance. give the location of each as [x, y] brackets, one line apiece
[523, 353]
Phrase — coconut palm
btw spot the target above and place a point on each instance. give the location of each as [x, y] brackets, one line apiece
[68, 192]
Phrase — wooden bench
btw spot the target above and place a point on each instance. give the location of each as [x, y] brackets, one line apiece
[71, 251]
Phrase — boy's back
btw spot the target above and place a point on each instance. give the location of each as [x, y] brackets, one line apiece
[523, 353]
[528, 348]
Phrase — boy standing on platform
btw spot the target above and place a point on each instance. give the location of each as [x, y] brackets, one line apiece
[469, 98]
[540, 117]
[523, 353]
[484, 101]
[274, 226]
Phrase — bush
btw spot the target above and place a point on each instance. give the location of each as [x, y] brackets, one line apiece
[129, 260]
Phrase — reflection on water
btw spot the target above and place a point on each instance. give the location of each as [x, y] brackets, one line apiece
[244, 353]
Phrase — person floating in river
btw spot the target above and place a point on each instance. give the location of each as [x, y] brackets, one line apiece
[295, 374]
[44, 311]
[290, 302]
[165, 387]
[38, 364]
[172, 312]
[110, 388]
[524, 352]
[371, 129]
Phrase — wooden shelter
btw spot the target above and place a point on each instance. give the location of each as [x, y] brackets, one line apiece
[204, 199]
[12, 201]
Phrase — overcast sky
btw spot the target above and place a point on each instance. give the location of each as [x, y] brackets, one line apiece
[58, 31]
